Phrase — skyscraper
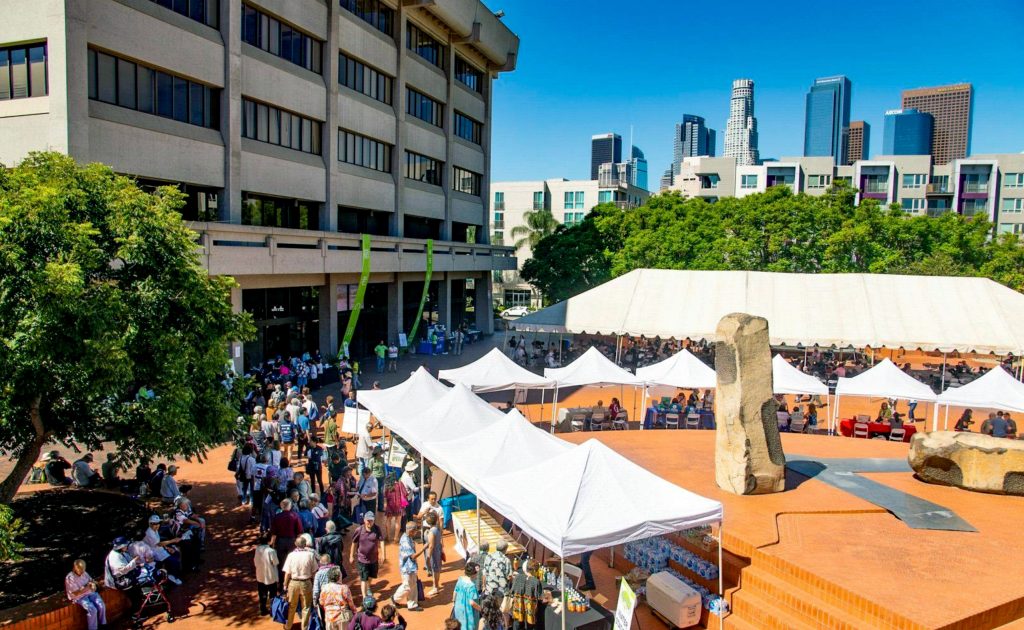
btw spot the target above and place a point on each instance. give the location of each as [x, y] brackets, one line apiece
[827, 118]
[692, 139]
[951, 107]
[638, 174]
[857, 146]
[741, 130]
[604, 148]
[907, 132]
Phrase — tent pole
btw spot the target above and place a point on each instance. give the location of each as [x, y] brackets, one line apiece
[542, 392]
[477, 524]
[423, 481]
[942, 385]
[935, 417]
[611, 557]
[618, 347]
[945, 422]
[559, 349]
[561, 585]
[721, 578]
[643, 419]
[554, 408]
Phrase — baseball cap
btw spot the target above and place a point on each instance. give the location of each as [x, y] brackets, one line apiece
[154, 519]
[369, 516]
[120, 542]
[369, 603]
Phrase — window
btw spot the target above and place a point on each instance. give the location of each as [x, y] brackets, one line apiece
[573, 200]
[426, 46]
[819, 181]
[128, 84]
[569, 219]
[499, 220]
[538, 200]
[498, 238]
[363, 221]
[422, 168]
[465, 181]
[975, 183]
[914, 180]
[362, 78]
[360, 150]
[974, 206]
[23, 71]
[279, 212]
[291, 131]
[1011, 228]
[499, 200]
[373, 12]
[940, 184]
[423, 107]
[469, 75]
[467, 128]
[280, 39]
[1013, 205]
[568, 200]
[748, 181]
[201, 203]
[914, 205]
[1013, 180]
[203, 11]
[604, 196]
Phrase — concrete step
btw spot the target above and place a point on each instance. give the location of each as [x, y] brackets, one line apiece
[811, 608]
[763, 613]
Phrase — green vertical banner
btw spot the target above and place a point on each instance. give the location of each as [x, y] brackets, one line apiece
[426, 292]
[357, 308]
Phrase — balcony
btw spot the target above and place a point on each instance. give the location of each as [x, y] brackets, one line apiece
[243, 250]
[938, 189]
[499, 225]
[974, 189]
[875, 188]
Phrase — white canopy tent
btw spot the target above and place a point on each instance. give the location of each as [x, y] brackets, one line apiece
[459, 412]
[591, 369]
[884, 380]
[996, 389]
[682, 370]
[787, 379]
[866, 310]
[393, 402]
[495, 372]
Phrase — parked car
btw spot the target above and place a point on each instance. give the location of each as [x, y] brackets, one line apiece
[515, 311]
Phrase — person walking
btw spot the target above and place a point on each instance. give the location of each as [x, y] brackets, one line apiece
[381, 351]
[266, 563]
[497, 569]
[367, 547]
[466, 606]
[83, 590]
[366, 619]
[336, 600]
[244, 475]
[299, 568]
[392, 357]
[314, 464]
[434, 552]
[407, 566]
[285, 529]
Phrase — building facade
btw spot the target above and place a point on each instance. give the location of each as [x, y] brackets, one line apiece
[692, 138]
[605, 148]
[952, 110]
[859, 142]
[638, 164]
[741, 130]
[991, 185]
[294, 127]
[827, 119]
[907, 132]
[568, 201]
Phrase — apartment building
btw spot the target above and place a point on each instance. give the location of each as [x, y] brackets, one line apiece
[296, 128]
[568, 201]
[992, 185]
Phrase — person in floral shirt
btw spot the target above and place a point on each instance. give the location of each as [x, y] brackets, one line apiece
[336, 599]
[407, 555]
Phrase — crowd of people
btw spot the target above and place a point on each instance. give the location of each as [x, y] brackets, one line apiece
[998, 424]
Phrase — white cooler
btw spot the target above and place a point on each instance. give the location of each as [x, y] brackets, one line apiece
[673, 599]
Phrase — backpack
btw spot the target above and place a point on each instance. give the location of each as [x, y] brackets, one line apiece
[233, 462]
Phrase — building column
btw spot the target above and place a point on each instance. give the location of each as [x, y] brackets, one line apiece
[69, 99]
[444, 300]
[483, 303]
[237, 359]
[231, 111]
[395, 298]
[398, 102]
[329, 214]
[329, 337]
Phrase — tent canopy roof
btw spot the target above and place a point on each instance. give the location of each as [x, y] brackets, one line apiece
[494, 372]
[886, 380]
[459, 412]
[856, 310]
[787, 379]
[679, 370]
[393, 403]
[591, 368]
[590, 497]
[996, 389]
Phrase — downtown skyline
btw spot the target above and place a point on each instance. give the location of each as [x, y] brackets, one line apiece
[567, 89]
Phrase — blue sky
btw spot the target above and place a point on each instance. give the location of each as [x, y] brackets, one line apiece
[589, 67]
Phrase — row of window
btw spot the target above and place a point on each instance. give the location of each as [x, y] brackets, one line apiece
[467, 128]
[425, 46]
[23, 71]
[819, 181]
[373, 12]
[914, 180]
[466, 181]
[354, 148]
[573, 200]
[468, 75]
[360, 77]
[423, 107]
[279, 212]
[269, 124]
[280, 39]
[128, 84]
[569, 219]
[203, 11]
[422, 168]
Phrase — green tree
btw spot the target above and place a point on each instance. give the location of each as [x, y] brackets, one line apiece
[582, 263]
[110, 328]
[10, 528]
[538, 224]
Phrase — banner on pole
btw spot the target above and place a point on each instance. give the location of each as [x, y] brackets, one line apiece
[396, 457]
[624, 609]
[357, 308]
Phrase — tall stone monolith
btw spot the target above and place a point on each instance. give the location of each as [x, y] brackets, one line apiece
[748, 451]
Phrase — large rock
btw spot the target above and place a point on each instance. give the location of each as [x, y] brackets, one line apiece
[971, 461]
[748, 451]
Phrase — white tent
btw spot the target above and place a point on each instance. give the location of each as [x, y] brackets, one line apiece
[679, 370]
[592, 368]
[864, 310]
[884, 380]
[787, 379]
[459, 412]
[495, 372]
[996, 389]
[590, 497]
[394, 402]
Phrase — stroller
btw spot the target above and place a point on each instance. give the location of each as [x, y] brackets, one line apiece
[151, 585]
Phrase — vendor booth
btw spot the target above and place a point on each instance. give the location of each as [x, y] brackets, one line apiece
[884, 380]
[996, 389]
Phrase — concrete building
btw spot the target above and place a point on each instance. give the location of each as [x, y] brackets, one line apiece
[293, 126]
[568, 201]
[992, 185]
[605, 148]
[907, 132]
[952, 108]
[859, 142]
[741, 130]
[827, 118]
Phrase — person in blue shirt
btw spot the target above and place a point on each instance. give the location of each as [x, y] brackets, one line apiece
[303, 434]
[314, 464]
[306, 516]
[288, 431]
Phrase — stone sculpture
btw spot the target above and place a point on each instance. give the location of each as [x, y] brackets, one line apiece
[748, 450]
[971, 461]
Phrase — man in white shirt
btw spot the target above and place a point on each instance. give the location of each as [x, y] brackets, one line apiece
[299, 568]
[364, 447]
[293, 409]
[83, 474]
[431, 506]
[266, 573]
[120, 571]
[159, 549]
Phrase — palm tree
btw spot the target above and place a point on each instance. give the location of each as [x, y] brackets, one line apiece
[538, 224]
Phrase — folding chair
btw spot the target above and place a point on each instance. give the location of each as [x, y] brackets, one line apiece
[797, 426]
[671, 420]
[578, 422]
[693, 421]
[575, 573]
[621, 421]
[597, 421]
[860, 430]
[897, 434]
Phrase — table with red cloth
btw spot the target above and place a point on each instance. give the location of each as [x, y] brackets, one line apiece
[875, 428]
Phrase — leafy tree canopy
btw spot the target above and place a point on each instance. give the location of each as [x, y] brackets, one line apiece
[771, 231]
[102, 296]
